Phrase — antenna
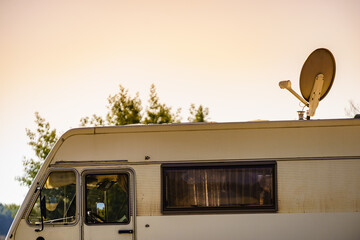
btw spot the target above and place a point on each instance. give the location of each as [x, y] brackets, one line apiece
[316, 78]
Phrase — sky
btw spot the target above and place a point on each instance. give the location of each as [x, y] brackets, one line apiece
[64, 58]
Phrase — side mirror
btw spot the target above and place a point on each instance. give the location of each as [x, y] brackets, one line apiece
[100, 209]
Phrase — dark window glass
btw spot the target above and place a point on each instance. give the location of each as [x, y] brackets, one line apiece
[107, 198]
[219, 187]
[59, 192]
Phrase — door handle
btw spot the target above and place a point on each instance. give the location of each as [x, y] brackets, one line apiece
[125, 231]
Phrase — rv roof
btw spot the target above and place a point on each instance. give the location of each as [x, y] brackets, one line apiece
[208, 126]
[210, 141]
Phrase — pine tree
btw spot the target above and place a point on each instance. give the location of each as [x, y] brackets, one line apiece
[123, 110]
[158, 113]
[199, 114]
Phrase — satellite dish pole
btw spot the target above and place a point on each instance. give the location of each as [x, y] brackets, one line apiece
[316, 78]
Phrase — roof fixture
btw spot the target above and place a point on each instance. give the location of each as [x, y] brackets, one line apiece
[316, 78]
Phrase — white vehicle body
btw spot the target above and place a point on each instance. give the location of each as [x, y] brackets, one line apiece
[315, 181]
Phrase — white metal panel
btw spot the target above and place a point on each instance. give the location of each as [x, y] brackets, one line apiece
[319, 186]
[297, 226]
[27, 232]
[179, 143]
[108, 232]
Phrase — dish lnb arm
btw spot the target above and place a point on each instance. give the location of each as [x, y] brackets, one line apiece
[287, 85]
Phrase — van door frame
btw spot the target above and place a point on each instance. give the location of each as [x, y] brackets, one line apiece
[36, 193]
[109, 170]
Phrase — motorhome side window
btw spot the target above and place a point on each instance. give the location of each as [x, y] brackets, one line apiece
[107, 198]
[216, 187]
[59, 192]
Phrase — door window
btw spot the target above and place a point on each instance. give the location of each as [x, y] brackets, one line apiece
[107, 198]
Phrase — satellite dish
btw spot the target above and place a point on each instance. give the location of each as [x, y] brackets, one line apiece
[320, 61]
[316, 78]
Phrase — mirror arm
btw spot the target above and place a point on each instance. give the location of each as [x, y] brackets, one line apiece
[41, 212]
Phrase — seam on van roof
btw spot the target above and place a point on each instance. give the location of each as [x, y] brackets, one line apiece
[182, 127]
[125, 162]
[208, 130]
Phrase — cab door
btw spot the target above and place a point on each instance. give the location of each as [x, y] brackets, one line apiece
[108, 204]
[57, 196]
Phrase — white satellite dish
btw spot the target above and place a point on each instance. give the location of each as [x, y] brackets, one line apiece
[316, 78]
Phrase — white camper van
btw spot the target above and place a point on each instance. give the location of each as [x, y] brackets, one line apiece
[249, 180]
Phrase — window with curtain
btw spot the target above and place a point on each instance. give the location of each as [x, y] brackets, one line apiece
[219, 187]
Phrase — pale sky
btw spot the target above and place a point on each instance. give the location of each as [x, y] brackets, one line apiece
[64, 58]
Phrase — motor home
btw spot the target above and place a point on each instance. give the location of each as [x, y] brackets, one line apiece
[247, 180]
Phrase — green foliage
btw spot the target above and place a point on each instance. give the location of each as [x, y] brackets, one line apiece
[31, 167]
[158, 113]
[199, 114]
[41, 141]
[95, 120]
[123, 110]
[352, 110]
[7, 214]
[12, 208]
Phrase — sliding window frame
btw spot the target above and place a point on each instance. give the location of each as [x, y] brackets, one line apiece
[209, 210]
